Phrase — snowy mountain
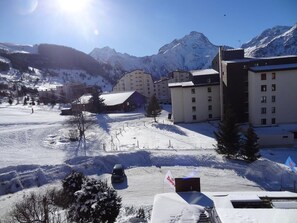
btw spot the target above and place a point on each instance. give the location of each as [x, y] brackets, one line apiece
[277, 41]
[194, 51]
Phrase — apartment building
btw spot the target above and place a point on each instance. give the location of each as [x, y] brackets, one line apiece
[235, 70]
[162, 90]
[179, 76]
[198, 99]
[136, 80]
[272, 94]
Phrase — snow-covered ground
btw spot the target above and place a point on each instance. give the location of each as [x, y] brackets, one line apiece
[36, 153]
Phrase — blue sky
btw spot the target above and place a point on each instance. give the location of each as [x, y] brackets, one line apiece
[139, 27]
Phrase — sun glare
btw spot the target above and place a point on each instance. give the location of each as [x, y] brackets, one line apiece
[72, 6]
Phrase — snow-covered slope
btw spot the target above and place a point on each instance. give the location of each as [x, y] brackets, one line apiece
[51, 78]
[194, 51]
[277, 41]
[17, 48]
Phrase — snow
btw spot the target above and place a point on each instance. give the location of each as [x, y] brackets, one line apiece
[203, 72]
[36, 153]
[187, 207]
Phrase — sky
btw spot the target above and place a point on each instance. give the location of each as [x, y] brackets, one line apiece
[139, 27]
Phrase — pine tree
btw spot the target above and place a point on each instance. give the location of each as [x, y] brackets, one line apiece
[153, 108]
[250, 147]
[97, 103]
[96, 202]
[10, 101]
[227, 136]
[72, 183]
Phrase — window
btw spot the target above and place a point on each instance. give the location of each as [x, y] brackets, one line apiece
[263, 88]
[193, 90]
[273, 98]
[273, 87]
[273, 110]
[193, 100]
[273, 76]
[273, 121]
[209, 89]
[209, 107]
[193, 108]
[263, 121]
[263, 77]
[209, 115]
[263, 99]
[194, 117]
[209, 98]
[263, 110]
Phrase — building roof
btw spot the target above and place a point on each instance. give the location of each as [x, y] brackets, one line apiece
[274, 67]
[203, 72]
[110, 99]
[190, 205]
[117, 98]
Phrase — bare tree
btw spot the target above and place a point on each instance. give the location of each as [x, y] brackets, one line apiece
[81, 123]
[35, 207]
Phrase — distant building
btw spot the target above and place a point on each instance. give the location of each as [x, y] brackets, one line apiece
[179, 76]
[198, 99]
[114, 102]
[162, 90]
[65, 93]
[136, 80]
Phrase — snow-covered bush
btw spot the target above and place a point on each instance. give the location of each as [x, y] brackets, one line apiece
[95, 202]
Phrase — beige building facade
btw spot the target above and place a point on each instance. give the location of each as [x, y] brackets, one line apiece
[196, 100]
[272, 94]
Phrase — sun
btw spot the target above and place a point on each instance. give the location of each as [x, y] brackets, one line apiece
[72, 6]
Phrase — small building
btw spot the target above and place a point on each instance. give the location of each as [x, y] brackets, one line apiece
[123, 101]
[196, 100]
[119, 101]
[225, 207]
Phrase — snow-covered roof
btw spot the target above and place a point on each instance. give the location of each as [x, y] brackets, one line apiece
[170, 206]
[203, 72]
[274, 67]
[181, 84]
[117, 98]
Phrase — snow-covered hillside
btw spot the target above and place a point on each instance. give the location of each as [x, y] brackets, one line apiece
[277, 41]
[18, 48]
[36, 151]
[51, 78]
[194, 51]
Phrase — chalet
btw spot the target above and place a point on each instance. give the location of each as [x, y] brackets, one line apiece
[123, 101]
[114, 102]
